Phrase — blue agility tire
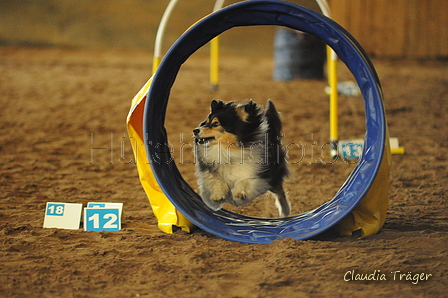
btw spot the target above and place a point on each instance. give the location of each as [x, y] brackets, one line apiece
[240, 228]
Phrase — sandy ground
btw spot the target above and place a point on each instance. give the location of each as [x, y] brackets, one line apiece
[56, 105]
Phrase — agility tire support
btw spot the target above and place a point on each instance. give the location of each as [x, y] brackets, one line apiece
[240, 228]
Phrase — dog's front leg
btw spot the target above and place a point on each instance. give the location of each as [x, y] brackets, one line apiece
[247, 189]
[214, 191]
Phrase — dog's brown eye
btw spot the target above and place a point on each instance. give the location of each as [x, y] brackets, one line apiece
[215, 124]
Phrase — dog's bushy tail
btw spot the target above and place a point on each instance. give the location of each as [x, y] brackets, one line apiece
[276, 153]
[275, 124]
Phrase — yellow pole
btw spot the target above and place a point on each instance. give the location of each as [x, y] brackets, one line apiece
[160, 33]
[155, 64]
[399, 150]
[214, 63]
[333, 82]
[214, 54]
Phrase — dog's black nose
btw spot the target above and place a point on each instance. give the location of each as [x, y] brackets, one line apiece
[196, 131]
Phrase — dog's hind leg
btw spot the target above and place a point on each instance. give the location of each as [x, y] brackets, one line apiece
[281, 202]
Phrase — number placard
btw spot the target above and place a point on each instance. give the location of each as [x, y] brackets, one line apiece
[107, 205]
[55, 209]
[351, 149]
[102, 219]
[62, 215]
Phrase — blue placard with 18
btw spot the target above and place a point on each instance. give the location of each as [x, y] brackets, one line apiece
[55, 209]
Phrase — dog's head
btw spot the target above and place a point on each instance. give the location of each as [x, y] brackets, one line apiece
[231, 123]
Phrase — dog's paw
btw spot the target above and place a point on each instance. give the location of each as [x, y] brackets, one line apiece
[216, 197]
[214, 194]
[240, 198]
[214, 205]
[214, 200]
[219, 191]
[240, 192]
[246, 190]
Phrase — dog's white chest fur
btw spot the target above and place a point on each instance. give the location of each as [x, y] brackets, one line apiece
[231, 164]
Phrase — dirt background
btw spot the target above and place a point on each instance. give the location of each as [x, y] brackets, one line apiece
[59, 103]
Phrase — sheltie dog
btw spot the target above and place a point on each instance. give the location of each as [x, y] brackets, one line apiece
[239, 155]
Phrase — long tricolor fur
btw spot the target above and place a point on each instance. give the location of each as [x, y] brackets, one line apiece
[239, 155]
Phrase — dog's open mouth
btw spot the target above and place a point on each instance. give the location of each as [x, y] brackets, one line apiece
[204, 140]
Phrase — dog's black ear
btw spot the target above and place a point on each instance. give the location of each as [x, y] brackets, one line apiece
[216, 105]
